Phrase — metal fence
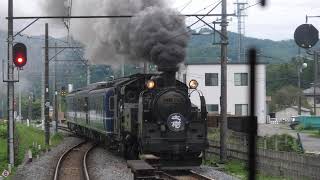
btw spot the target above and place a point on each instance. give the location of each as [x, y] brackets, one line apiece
[276, 163]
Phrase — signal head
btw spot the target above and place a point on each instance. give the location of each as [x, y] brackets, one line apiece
[19, 55]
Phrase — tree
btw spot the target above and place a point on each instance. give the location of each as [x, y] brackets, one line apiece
[280, 75]
[36, 108]
[287, 96]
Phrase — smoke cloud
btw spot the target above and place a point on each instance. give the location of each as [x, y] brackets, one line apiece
[55, 7]
[156, 33]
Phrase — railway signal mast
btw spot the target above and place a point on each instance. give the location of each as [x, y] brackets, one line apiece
[17, 57]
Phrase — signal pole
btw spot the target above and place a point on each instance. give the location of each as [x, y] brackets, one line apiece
[10, 89]
[46, 84]
[30, 107]
[223, 102]
[88, 73]
[20, 102]
[55, 92]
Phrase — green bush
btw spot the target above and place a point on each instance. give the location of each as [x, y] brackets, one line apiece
[3, 131]
[299, 127]
[285, 142]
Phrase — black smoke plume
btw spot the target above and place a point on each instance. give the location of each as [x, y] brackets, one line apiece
[155, 34]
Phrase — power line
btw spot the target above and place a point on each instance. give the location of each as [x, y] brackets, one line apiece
[186, 6]
[205, 7]
[206, 14]
[251, 6]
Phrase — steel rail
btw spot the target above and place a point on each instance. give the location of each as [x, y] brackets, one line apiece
[200, 176]
[184, 175]
[85, 169]
[56, 173]
[64, 128]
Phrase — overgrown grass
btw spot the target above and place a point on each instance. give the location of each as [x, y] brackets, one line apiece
[26, 138]
[56, 139]
[309, 130]
[3, 154]
[238, 169]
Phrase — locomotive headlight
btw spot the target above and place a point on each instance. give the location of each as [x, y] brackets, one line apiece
[151, 84]
[193, 84]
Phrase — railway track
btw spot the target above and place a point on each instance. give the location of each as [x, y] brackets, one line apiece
[143, 170]
[64, 128]
[182, 175]
[72, 164]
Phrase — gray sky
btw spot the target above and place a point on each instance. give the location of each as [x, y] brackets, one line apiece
[277, 22]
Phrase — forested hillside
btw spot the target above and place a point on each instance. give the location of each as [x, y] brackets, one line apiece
[281, 70]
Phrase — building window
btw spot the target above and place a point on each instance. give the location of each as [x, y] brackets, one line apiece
[241, 79]
[212, 107]
[211, 79]
[185, 78]
[241, 109]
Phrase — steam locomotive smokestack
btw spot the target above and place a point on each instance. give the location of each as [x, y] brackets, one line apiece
[155, 34]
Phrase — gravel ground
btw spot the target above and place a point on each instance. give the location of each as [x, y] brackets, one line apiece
[44, 167]
[213, 173]
[103, 165]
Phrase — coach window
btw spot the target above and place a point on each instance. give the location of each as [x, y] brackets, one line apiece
[241, 109]
[213, 108]
[111, 103]
[241, 79]
[211, 79]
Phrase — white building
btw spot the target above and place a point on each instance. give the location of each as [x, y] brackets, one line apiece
[287, 113]
[209, 78]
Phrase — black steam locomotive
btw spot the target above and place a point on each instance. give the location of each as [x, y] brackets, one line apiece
[141, 115]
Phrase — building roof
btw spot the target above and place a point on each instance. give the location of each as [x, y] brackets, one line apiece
[310, 91]
[297, 108]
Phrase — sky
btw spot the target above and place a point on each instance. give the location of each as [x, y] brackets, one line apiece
[276, 22]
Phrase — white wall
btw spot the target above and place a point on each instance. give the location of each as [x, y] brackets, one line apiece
[287, 113]
[310, 102]
[235, 94]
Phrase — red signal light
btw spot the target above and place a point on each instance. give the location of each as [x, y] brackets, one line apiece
[19, 55]
[20, 60]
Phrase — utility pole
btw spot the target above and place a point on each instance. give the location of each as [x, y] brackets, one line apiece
[122, 69]
[30, 107]
[10, 89]
[315, 83]
[46, 84]
[223, 99]
[55, 92]
[19, 102]
[145, 67]
[241, 27]
[88, 73]
[299, 85]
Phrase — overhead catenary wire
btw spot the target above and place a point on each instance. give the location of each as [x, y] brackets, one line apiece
[185, 6]
[206, 14]
[202, 9]
[251, 6]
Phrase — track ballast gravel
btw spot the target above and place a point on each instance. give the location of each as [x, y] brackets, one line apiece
[44, 167]
[103, 165]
